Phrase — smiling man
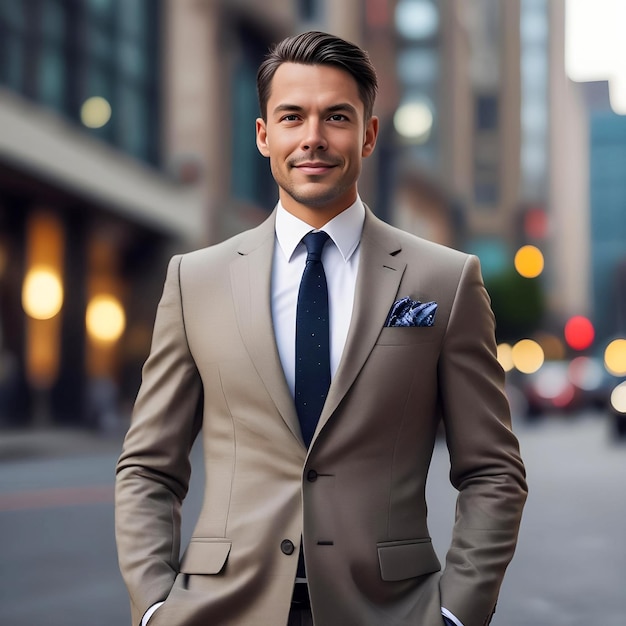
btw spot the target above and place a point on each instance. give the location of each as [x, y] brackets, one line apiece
[315, 133]
[317, 355]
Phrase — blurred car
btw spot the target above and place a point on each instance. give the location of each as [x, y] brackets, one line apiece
[589, 374]
[567, 386]
[550, 389]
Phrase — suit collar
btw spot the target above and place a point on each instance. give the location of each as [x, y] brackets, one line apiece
[257, 237]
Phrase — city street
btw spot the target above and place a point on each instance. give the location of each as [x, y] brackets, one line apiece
[59, 568]
[162, 165]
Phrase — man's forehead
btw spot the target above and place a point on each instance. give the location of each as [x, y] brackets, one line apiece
[293, 73]
[297, 81]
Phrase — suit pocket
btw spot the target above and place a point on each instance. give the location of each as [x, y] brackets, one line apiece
[409, 558]
[205, 556]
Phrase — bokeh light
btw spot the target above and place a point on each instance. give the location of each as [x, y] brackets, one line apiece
[505, 356]
[416, 19]
[528, 356]
[105, 318]
[618, 398]
[579, 333]
[95, 112]
[615, 357]
[42, 293]
[529, 261]
[414, 121]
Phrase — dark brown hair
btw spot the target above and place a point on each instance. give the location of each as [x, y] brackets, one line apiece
[317, 48]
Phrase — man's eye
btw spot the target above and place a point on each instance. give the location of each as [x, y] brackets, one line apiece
[292, 117]
[338, 117]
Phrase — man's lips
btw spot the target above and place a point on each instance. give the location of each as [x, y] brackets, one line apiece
[314, 167]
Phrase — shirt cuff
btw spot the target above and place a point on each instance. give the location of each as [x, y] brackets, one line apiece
[148, 614]
[451, 617]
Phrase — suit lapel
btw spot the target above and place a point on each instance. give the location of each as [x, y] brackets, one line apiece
[250, 276]
[380, 271]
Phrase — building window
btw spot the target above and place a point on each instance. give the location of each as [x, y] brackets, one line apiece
[61, 53]
[486, 113]
[12, 66]
[486, 193]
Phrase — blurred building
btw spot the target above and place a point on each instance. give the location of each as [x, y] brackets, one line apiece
[503, 140]
[587, 196]
[607, 196]
[91, 205]
[127, 134]
[456, 131]
[567, 243]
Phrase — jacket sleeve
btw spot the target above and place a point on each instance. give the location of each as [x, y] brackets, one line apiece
[485, 463]
[152, 474]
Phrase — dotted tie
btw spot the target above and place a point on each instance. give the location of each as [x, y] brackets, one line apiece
[312, 338]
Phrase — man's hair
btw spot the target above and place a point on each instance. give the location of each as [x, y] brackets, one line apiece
[317, 48]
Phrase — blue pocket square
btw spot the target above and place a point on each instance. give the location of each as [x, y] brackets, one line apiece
[407, 312]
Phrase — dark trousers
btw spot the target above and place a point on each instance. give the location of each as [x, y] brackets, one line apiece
[300, 617]
[300, 613]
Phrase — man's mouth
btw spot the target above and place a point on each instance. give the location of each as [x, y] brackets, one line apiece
[314, 167]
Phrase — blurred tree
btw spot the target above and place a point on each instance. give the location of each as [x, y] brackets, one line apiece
[518, 304]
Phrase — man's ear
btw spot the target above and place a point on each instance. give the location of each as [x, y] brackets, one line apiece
[261, 137]
[370, 135]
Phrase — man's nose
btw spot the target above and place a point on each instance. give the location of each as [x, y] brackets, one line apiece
[314, 138]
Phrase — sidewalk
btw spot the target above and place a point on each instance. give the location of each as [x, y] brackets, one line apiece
[46, 443]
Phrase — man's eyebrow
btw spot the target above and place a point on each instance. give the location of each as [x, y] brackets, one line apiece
[342, 106]
[335, 108]
[286, 107]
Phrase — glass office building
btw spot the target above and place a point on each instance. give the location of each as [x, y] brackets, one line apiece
[95, 62]
[608, 221]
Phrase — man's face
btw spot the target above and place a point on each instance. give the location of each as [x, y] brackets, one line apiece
[315, 137]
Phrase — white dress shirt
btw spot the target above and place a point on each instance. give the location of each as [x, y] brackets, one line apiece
[340, 258]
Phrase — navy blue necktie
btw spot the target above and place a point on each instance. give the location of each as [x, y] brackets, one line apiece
[312, 338]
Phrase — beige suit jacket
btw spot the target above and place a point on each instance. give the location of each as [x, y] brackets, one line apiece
[357, 495]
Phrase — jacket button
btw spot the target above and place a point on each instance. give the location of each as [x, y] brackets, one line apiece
[287, 547]
[311, 476]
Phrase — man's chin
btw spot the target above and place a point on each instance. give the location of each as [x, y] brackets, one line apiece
[317, 199]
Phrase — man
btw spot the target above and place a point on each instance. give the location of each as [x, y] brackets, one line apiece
[316, 454]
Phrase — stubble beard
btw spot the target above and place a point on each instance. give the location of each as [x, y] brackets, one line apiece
[320, 197]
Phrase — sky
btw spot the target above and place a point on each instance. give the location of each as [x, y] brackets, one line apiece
[595, 47]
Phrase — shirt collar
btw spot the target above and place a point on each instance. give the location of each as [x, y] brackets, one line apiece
[344, 229]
